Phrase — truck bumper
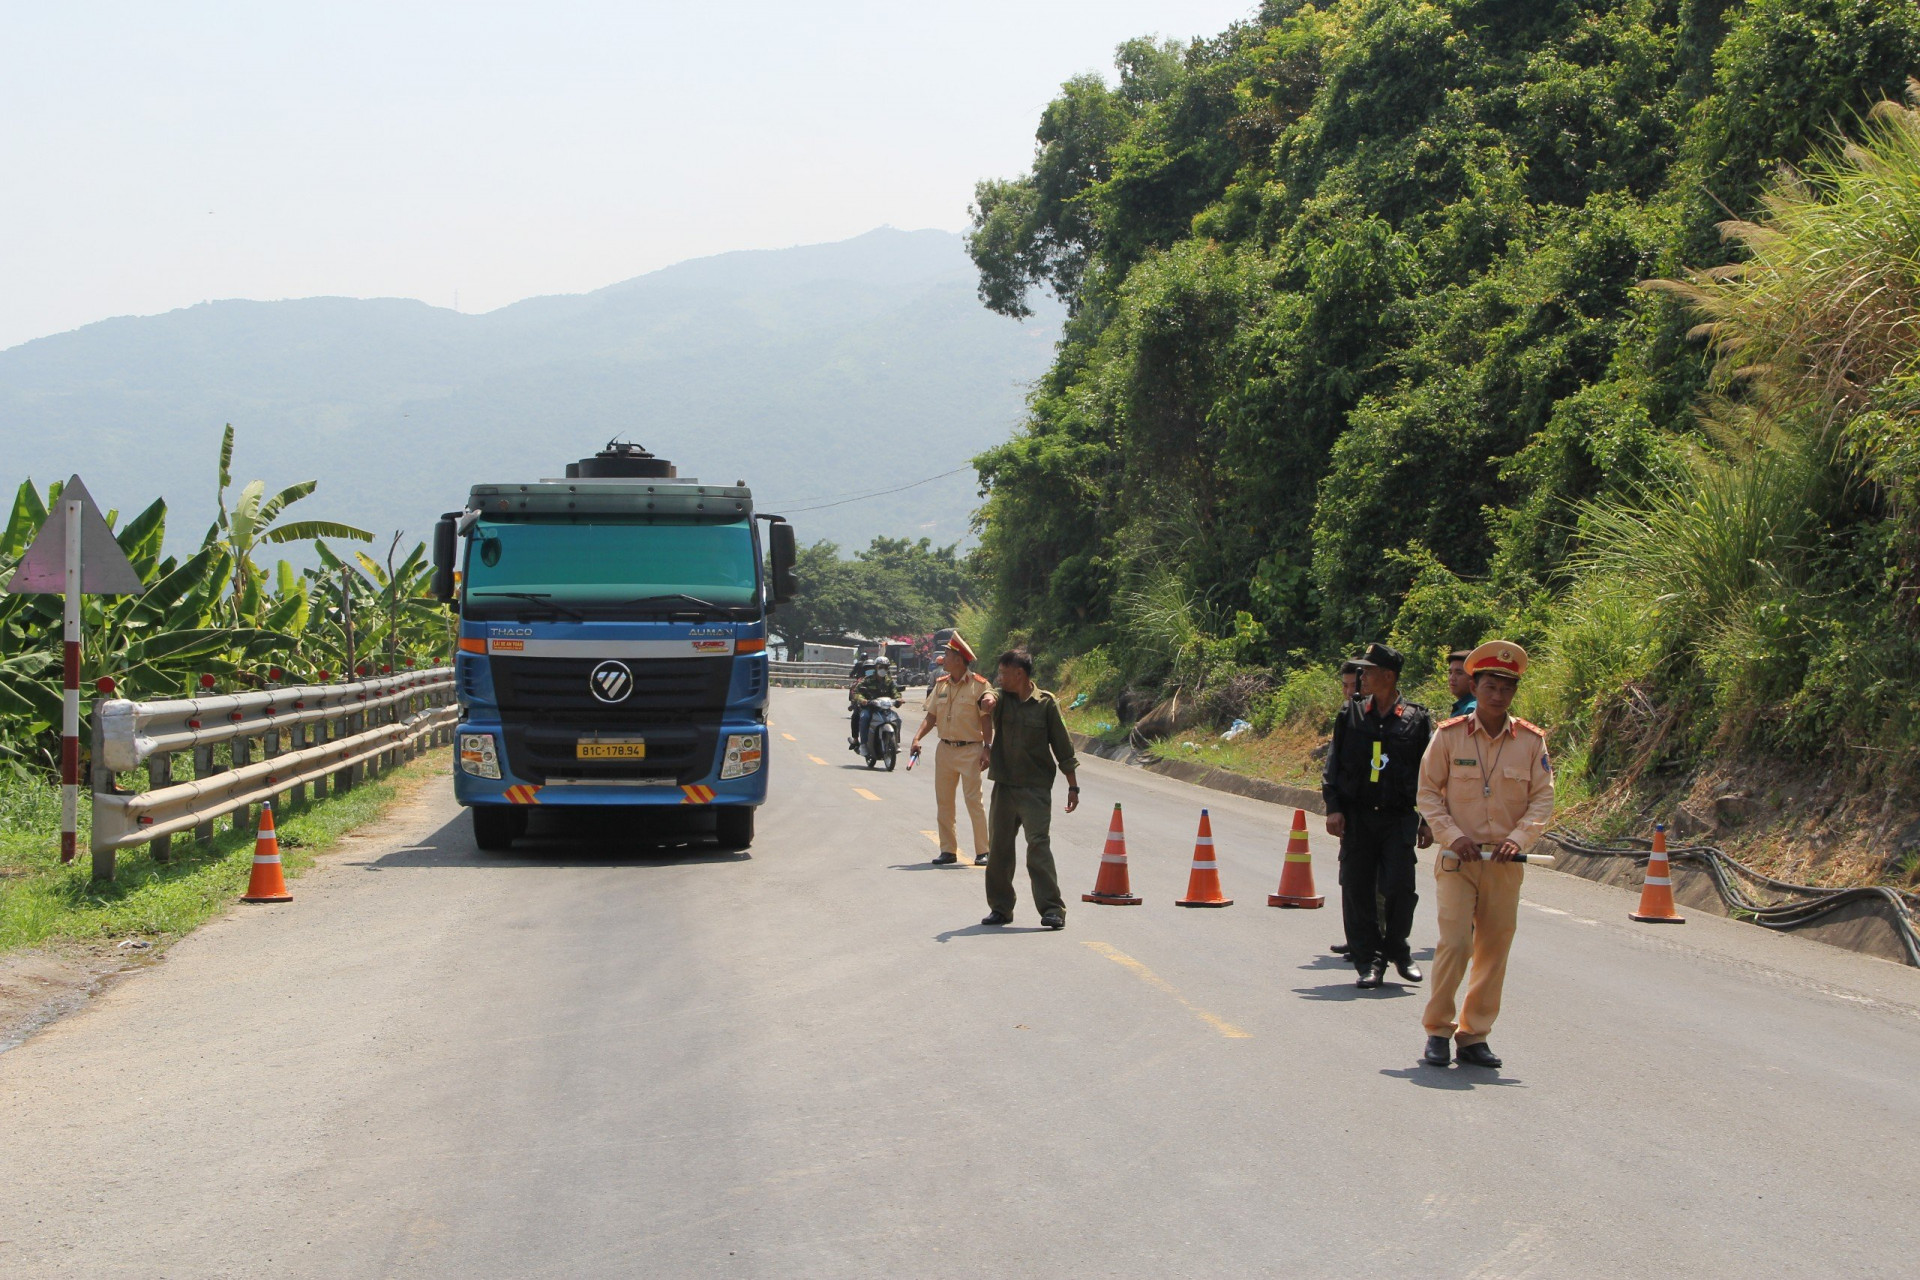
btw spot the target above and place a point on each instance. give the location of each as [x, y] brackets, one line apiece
[472, 789]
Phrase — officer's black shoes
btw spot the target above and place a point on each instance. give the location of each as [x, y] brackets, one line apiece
[996, 917]
[945, 860]
[1478, 1055]
[1371, 976]
[1339, 948]
[1408, 970]
[979, 859]
[1053, 920]
[1439, 1051]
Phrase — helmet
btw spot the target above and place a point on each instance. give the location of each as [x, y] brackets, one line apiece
[881, 664]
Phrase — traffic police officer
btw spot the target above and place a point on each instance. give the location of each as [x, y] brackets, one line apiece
[1372, 773]
[959, 706]
[877, 683]
[1486, 789]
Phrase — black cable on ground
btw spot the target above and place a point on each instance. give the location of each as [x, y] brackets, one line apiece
[1804, 902]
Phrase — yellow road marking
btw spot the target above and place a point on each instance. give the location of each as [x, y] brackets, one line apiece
[1154, 980]
[933, 836]
[862, 791]
[816, 759]
[789, 737]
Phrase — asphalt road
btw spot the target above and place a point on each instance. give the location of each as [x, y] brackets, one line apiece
[597, 1057]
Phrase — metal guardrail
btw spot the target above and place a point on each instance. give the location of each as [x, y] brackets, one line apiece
[808, 675]
[324, 737]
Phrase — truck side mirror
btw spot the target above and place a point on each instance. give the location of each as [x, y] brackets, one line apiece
[785, 552]
[446, 541]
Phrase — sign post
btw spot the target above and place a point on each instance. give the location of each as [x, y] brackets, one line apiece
[74, 554]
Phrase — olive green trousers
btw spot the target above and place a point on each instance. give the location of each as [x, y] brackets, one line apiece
[1015, 809]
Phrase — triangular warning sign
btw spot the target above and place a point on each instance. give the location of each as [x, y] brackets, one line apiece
[104, 569]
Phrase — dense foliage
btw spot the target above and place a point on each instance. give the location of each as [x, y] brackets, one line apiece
[896, 586]
[1358, 349]
[217, 613]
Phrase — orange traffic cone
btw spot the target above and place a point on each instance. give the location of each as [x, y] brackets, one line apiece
[1656, 892]
[1296, 873]
[1110, 887]
[1203, 885]
[268, 884]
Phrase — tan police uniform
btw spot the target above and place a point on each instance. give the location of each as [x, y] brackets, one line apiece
[1489, 788]
[959, 712]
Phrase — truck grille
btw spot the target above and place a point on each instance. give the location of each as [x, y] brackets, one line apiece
[664, 689]
[546, 707]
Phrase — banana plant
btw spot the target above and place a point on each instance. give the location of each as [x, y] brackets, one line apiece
[255, 520]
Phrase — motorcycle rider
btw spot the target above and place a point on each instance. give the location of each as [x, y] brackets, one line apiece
[878, 683]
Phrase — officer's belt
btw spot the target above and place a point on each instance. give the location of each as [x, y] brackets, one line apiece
[970, 742]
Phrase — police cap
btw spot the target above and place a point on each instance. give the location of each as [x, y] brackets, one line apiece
[1381, 655]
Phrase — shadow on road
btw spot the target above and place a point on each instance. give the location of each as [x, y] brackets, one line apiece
[1347, 991]
[597, 838]
[931, 866]
[1324, 963]
[1451, 1079]
[988, 930]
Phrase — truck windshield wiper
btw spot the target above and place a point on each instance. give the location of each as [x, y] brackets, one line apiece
[680, 596]
[542, 598]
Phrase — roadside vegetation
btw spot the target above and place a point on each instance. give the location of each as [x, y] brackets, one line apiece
[219, 612]
[1591, 325]
[44, 902]
[894, 586]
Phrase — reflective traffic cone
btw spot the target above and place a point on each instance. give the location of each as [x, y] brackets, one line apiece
[268, 884]
[1203, 885]
[1296, 873]
[1111, 885]
[1656, 892]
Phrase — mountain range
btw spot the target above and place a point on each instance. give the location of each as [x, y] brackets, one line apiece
[812, 373]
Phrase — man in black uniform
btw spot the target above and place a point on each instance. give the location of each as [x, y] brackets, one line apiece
[1372, 777]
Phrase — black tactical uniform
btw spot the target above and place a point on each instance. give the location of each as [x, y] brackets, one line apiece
[1372, 775]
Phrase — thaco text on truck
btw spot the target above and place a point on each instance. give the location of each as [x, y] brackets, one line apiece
[612, 643]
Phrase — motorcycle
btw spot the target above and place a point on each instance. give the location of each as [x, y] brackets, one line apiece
[882, 738]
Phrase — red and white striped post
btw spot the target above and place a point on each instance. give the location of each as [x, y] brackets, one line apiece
[70, 707]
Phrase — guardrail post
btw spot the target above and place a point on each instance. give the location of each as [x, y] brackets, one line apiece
[241, 753]
[160, 774]
[297, 739]
[203, 767]
[99, 779]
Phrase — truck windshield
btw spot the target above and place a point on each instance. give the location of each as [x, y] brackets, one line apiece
[599, 566]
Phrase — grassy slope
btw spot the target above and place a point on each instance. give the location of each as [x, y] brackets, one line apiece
[41, 901]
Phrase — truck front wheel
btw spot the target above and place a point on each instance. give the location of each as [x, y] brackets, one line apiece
[733, 825]
[495, 826]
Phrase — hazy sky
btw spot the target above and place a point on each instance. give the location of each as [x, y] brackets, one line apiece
[158, 155]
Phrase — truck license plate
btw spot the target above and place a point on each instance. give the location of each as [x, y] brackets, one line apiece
[611, 749]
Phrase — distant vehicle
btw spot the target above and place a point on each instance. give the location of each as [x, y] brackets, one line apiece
[612, 643]
[835, 653]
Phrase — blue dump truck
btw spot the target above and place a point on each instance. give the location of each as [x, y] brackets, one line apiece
[612, 643]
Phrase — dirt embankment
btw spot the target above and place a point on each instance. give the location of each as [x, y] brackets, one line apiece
[1792, 821]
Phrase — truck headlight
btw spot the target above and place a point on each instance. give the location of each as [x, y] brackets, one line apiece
[478, 756]
[743, 755]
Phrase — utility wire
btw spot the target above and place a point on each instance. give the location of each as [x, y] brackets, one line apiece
[878, 493]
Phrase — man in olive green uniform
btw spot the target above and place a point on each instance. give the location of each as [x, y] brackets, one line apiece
[958, 707]
[1028, 737]
[1486, 789]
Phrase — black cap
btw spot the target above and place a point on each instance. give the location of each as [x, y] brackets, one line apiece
[1382, 655]
[1351, 667]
